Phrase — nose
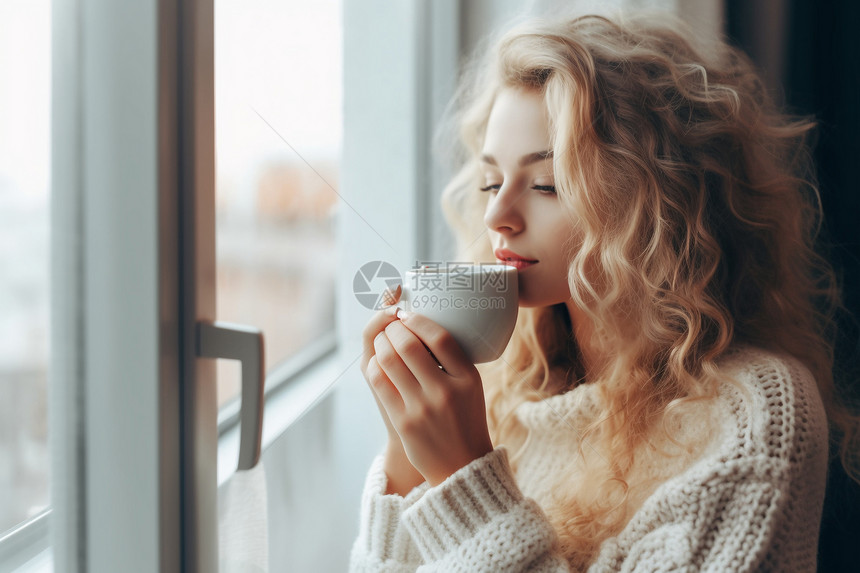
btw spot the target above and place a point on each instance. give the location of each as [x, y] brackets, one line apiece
[503, 214]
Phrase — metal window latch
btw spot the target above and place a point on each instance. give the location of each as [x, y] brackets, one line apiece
[243, 343]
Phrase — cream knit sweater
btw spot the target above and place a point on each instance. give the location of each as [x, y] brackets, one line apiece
[751, 502]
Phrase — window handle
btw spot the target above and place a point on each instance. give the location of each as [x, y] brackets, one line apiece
[243, 343]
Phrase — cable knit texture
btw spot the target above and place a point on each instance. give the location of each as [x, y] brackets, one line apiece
[751, 502]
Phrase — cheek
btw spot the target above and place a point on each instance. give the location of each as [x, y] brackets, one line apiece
[567, 247]
[565, 240]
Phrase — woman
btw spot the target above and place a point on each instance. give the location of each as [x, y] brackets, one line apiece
[663, 403]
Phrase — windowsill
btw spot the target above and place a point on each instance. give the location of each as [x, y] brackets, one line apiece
[43, 562]
[291, 396]
[26, 547]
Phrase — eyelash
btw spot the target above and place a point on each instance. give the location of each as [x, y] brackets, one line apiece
[545, 189]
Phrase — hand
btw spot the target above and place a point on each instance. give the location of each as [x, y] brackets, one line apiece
[402, 476]
[439, 414]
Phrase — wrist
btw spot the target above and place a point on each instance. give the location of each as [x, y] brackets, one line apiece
[443, 474]
[402, 475]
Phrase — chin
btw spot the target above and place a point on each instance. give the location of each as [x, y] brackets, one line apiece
[531, 302]
[526, 301]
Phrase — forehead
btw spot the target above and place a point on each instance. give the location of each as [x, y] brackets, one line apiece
[518, 125]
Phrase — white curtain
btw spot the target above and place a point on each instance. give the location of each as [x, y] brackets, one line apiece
[243, 523]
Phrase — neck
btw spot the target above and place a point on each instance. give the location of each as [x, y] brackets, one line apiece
[583, 329]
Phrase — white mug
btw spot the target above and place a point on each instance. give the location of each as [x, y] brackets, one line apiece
[476, 303]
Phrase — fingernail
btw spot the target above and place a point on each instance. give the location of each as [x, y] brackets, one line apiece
[403, 314]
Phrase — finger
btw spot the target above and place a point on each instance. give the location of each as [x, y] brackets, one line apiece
[385, 390]
[388, 358]
[374, 326]
[439, 341]
[415, 354]
[390, 297]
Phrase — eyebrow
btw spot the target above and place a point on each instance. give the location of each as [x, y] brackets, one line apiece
[524, 160]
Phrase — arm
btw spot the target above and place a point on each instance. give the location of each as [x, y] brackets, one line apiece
[473, 517]
[478, 520]
[383, 543]
[402, 476]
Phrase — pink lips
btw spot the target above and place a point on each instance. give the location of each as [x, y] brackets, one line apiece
[507, 257]
[520, 265]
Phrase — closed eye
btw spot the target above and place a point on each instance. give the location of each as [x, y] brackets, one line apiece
[546, 189]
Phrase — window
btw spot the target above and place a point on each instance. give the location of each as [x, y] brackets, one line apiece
[25, 211]
[106, 62]
[278, 92]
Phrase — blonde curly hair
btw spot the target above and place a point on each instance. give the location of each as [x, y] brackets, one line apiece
[697, 212]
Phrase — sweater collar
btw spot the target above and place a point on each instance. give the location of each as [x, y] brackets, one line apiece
[571, 410]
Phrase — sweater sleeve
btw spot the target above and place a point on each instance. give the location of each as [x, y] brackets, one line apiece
[383, 544]
[478, 520]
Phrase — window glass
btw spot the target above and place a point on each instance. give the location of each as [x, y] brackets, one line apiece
[278, 93]
[25, 166]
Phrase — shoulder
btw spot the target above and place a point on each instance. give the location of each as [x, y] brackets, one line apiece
[770, 403]
[753, 500]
